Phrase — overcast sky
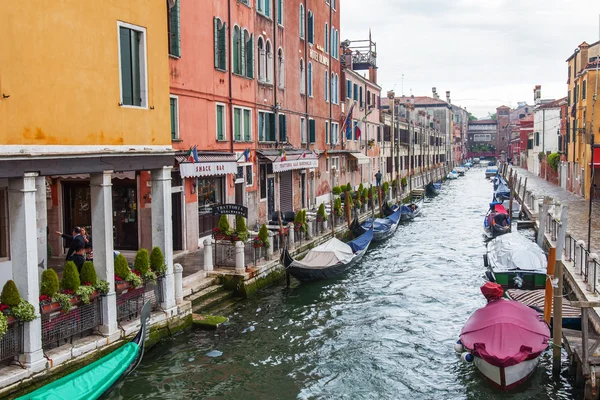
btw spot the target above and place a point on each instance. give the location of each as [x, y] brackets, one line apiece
[486, 52]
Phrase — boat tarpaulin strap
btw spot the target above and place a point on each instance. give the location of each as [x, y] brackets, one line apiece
[285, 191]
[361, 158]
[91, 381]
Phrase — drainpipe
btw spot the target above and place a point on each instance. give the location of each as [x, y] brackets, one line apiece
[306, 73]
[275, 55]
[230, 79]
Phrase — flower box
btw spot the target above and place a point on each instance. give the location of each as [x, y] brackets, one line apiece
[49, 308]
[122, 286]
[11, 320]
[220, 236]
[258, 245]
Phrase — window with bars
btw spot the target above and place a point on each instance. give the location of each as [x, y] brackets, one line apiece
[174, 30]
[220, 38]
[132, 51]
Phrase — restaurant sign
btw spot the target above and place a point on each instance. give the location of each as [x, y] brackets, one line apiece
[322, 58]
[295, 164]
[230, 209]
[189, 170]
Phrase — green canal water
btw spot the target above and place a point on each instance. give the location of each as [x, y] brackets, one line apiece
[383, 331]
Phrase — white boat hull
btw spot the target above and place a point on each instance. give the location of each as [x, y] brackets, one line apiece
[506, 377]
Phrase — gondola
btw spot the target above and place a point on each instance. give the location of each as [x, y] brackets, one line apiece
[327, 260]
[383, 228]
[452, 175]
[515, 262]
[496, 222]
[388, 210]
[491, 171]
[501, 189]
[101, 376]
[407, 213]
[433, 189]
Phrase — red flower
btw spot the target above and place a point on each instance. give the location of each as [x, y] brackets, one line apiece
[3, 307]
[118, 278]
[87, 284]
[68, 291]
[45, 299]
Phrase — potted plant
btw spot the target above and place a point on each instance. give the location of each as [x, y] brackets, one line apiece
[48, 288]
[13, 307]
[403, 182]
[141, 264]
[157, 262]
[336, 190]
[124, 276]
[241, 231]
[321, 215]
[223, 230]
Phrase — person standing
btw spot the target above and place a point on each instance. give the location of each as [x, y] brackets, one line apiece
[76, 241]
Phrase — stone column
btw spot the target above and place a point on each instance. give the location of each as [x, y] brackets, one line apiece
[162, 231]
[310, 228]
[24, 256]
[41, 223]
[208, 256]
[102, 236]
[291, 235]
[271, 244]
[579, 246]
[178, 273]
[240, 262]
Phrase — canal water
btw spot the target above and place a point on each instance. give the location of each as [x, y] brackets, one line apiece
[385, 330]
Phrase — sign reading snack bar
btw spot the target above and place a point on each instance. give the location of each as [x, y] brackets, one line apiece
[230, 209]
[189, 170]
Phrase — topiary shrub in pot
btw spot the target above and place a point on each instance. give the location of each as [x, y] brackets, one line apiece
[241, 229]
[141, 263]
[10, 294]
[157, 261]
[336, 190]
[121, 267]
[88, 274]
[263, 234]
[49, 283]
[70, 280]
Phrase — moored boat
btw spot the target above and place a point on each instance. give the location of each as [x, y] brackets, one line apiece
[388, 210]
[504, 339]
[452, 175]
[496, 222]
[460, 171]
[433, 189]
[101, 376]
[327, 260]
[408, 212]
[383, 228]
[491, 171]
[571, 316]
[516, 262]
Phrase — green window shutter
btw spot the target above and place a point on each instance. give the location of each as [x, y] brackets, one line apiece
[311, 129]
[326, 132]
[311, 27]
[280, 12]
[125, 39]
[236, 50]
[174, 30]
[220, 133]
[268, 7]
[223, 48]
[282, 128]
[173, 119]
[247, 137]
[243, 49]
[250, 57]
[271, 127]
[136, 68]
[261, 126]
[237, 117]
[216, 40]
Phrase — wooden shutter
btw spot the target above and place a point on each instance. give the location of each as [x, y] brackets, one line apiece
[326, 132]
[126, 83]
[173, 118]
[243, 49]
[174, 31]
[282, 128]
[237, 124]
[223, 47]
[311, 129]
[220, 133]
[216, 33]
[247, 135]
[250, 57]
[311, 20]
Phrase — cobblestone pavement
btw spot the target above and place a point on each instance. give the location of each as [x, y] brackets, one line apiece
[578, 207]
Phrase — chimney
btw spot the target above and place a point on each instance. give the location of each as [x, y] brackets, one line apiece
[434, 91]
[448, 97]
[537, 94]
[373, 74]
[583, 54]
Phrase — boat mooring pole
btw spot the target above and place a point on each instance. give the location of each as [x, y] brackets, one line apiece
[558, 291]
[549, 292]
[511, 184]
[348, 209]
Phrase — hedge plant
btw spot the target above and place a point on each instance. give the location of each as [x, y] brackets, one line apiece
[121, 267]
[336, 190]
[141, 263]
[49, 283]
[223, 225]
[70, 280]
[554, 160]
[88, 274]
[321, 212]
[157, 261]
[403, 182]
[241, 229]
[263, 235]
[10, 294]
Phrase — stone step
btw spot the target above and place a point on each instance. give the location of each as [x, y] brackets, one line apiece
[199, 285]
[209, 291]
[226, 307]
[211, 302]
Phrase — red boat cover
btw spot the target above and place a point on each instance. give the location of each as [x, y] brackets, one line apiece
[500, 209]
[505, 333]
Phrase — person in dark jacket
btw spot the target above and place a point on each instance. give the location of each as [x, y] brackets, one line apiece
[76, 240]
[78, 256]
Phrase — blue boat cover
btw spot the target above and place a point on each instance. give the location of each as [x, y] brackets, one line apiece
[437, 185]
[380, 224]
[405, 210]
[395, 217]
[361, 242]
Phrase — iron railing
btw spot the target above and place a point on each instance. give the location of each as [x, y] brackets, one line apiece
[59, 328]
[11, 344]
[130, 303]
[224, 254]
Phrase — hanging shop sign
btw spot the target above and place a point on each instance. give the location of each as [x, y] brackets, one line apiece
[230, 209]
[321, 58]
[189, 170]
[301, 163]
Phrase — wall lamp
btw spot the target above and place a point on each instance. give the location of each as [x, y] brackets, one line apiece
[194, 186]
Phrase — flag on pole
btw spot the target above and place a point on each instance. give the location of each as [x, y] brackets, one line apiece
[347, 120]
[358, 132]
[282, 155]
[195, 155]
[247, 154]
[362, 121]
[303, 154]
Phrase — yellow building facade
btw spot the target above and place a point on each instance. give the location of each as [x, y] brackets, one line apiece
[584, 117]
[61, 73]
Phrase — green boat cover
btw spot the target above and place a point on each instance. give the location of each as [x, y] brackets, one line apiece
[91, 381]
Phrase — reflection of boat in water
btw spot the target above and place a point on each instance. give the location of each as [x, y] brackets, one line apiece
[327, 260]
[101, 376]
[504, 339]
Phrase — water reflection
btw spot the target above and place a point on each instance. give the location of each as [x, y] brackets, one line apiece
[385, 330]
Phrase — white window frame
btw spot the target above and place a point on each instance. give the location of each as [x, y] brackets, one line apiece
[242, 136]
[311, 77]
[327, 132]
[224, 122]
[302, 21]
[335, 127]
[6, 237]
[246, 165]
[177, 132]
[303, 138]
[326, 86]
[144, 78]
[281, 69]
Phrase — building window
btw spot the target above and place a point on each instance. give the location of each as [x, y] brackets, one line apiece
[312, 131]
[311, 27]
[220, 122]
[174, 118]
[583, 90]
[326, 86]
[334, 43]
[132, 52]
[334, 88]
[280, 69]
[302, 129]
[310, 79]
[237, 51]
[264, 7]
[326, 40]
[360, 96]
[348, 89]
[355, 92]
[243, 60]
[354, 126]
[368, 97]
[335, 131]
[283, 128]
[242, 125]
[249, 176]
[4, 229]
[262, 60]
[269, 59]
[302, 22]
[327, 132]
[302, 78]
[333, 4]
[266, 126]
[280, 12]
[249, 54]
[537, 138]
[220, 33]
[174, 31]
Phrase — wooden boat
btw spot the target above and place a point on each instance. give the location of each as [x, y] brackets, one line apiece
[409, 212]
[501, 189]
[383, 228]
[571, 316]
[460, 171]
[496, 222]
[504, 339]
[515, 262]
[433, 189]
[452, 175]
[388, 210]
[327, 260]
[491, 171]
[101, 376]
